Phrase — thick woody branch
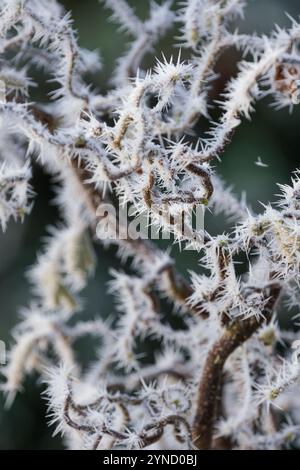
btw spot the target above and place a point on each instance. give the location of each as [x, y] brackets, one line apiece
[209, 388]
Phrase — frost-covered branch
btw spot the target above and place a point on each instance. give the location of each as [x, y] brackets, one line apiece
[178, 351]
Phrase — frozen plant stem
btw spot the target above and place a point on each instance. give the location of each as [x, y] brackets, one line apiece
[235, 335]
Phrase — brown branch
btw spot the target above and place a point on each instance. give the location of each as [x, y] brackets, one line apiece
[205, 177]
[146, 249]
[234, 336]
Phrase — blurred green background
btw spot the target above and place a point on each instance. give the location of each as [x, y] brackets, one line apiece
[272, 136]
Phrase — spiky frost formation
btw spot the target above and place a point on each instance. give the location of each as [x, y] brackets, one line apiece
[137, 144]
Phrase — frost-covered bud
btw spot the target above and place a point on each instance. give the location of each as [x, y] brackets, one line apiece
[287, 83]
[15, 193]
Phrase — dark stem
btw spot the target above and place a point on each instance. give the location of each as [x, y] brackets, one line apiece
[234, 336]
